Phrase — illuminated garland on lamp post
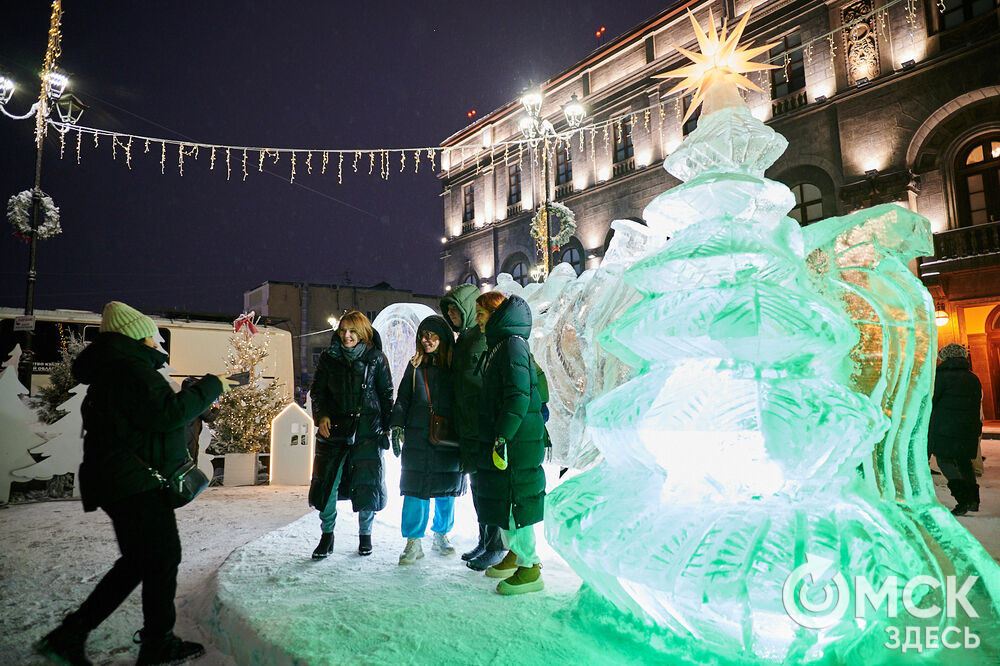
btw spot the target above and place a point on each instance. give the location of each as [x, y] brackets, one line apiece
[51, 93]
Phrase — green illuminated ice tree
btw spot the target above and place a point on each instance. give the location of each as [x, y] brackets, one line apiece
[771, 451]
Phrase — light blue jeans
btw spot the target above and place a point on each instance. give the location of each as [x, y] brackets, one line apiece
[416, 512]
[328, 516]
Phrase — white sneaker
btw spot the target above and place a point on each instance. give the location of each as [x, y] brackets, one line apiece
[413, 552]
[441, 544]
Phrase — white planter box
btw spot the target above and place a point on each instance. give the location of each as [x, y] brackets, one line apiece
[240, 469]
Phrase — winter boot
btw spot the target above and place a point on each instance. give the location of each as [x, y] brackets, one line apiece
[64, 645]
[959, 492]
[505, 568]
[165, 649]
[973, 499]
[413, 552]
[524, 580]
[479, 549]
[441, 544]
[364, 544]
[325, 546]
[486, 560]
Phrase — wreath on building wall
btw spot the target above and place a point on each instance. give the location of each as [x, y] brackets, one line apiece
[567, 225]
[19, 216]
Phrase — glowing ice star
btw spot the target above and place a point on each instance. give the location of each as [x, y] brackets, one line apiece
[721, 63]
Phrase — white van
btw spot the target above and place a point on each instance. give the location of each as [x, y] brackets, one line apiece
[195, 346]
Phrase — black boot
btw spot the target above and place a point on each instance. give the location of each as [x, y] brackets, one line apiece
[325, 546]
[65, 645]
[165, 649]
[959, 492]
[479, 549]
[364, 544]
[973, 499]
[486, 560]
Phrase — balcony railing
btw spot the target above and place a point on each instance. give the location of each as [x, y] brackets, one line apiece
[788, 103]
[514, 209]
[564, 190]
[964, 248]
[468, 225]
[623, 167]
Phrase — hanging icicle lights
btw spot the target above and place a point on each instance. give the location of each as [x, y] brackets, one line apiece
[188, 149]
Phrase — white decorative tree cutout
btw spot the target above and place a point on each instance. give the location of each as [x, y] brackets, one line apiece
[17, 436]
[64, 452]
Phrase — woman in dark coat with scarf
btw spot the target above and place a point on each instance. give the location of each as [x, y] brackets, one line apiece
[352, 403]
[428, 470]
[512, 440]
[134, 424]
[955, 427]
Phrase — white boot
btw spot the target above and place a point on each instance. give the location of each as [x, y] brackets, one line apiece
[441, 544]
[413, 552]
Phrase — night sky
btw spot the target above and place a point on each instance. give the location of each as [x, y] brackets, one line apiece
[309, 74]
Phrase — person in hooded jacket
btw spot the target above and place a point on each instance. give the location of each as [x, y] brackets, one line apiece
[459, 309]
[512, 440]
[352, 403]
[428, 469]
[134, 424]
[955, 426]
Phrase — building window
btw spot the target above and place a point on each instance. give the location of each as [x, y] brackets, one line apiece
[470, 278]
[517, 266]
[371, 314]
[316, 353]
[513, 184]
[623, 139]
[469, 203]
[977, 176]
[691, 123]
[958, 12]
[808, 204]
[564, 164]
[790, 76]
[572, 254]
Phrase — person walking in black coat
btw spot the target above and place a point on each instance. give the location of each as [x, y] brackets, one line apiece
[134, 422]
[428, 469]
[955, 426]
[352, 403]
[459, 308]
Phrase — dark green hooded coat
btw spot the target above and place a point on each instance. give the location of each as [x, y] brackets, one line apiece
[510, 408]
[337, 390]
[471, 344]
[132, 418]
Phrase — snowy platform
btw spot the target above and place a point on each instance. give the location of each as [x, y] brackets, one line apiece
[276, 605]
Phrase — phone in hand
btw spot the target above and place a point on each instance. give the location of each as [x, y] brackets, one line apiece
[241, 378]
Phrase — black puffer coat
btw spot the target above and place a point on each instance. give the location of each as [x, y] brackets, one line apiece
[471, 344]
[337, 390]
[427, 470]
[955, 426]
[511, 407]
[132, 418]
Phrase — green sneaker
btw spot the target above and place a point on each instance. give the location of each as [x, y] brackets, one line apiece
[524, 580]
[505, 568]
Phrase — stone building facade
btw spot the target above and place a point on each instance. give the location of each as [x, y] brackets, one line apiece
[880, 100]
[308, 308]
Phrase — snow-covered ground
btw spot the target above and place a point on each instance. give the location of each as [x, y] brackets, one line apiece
[248, 588]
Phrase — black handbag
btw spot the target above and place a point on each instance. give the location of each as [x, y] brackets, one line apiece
[184, 483]
[440, 428]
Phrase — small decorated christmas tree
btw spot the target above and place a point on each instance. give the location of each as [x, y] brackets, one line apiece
[245, 412]
[61, 382]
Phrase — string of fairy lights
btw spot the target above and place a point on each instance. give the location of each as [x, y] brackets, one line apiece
[245, 159]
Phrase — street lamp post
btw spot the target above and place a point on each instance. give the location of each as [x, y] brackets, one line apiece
[52, 94]
[536, 129]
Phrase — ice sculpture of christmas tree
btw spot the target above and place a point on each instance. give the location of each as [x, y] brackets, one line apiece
[771, 451]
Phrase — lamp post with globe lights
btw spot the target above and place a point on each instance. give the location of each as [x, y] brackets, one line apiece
[539, 130]
[52, 94]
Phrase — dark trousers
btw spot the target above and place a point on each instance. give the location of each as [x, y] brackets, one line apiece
[490, 536]
[150, 554]
[961, 479]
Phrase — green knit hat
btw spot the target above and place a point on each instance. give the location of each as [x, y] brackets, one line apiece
[120, 318]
